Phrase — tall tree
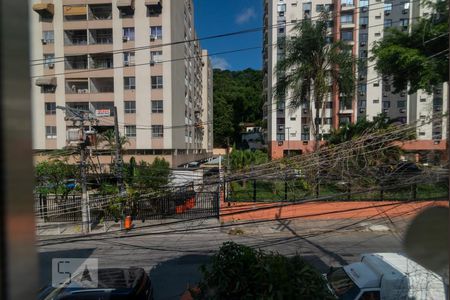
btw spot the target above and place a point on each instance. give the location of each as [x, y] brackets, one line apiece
[312, 66]
[237, 98]
[416, 59]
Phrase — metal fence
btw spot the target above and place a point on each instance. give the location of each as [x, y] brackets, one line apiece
[295, 190]
[181, 205]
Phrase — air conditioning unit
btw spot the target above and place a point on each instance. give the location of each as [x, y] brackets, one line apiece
[385, 95]
[364, 9]
[152, 62]
[305, 110]
[405, 11]
[305, 142]
[438, 92]
[387, 12]
[385, 110]
[125, 38]
[402, 110]
[44, 41]
[362, 44]
[402, 94]
[362, 93]
[363, 26]
[152, 38]
[362, 110]
[362, 77]
[126, 63]
[51, 66]
[281, 127]
[437, 108]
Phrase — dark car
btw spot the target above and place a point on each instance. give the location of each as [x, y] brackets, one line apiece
[113, 284]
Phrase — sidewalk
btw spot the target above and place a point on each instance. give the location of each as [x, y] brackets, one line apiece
[248, 211]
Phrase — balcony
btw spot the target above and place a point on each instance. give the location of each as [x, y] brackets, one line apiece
[100, 12]
[101, 61]
[100, 36]
[79, 62]
[77, 86]
[102, 85]
[126, 8]
[75, 37]
[347, 5]
[75, 12]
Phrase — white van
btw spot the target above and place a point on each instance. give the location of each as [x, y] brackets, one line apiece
[386, 276]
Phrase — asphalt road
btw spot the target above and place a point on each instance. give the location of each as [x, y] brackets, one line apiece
[172, 260]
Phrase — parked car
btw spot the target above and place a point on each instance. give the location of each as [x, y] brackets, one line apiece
[113, 284]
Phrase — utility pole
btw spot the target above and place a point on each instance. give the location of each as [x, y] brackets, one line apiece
[79, 119]
[118, 159]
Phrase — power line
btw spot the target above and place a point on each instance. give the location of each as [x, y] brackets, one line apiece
[245, 31]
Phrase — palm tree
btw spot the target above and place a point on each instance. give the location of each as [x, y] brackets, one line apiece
[312, 68]
[110, 141]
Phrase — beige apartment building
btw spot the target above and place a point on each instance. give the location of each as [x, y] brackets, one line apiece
[359, 23]
[140, 56]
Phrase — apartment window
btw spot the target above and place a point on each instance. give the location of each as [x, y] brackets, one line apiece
[362, 103]
[347, 2]
[48, 37]
[50, 132]
[50, 108]
[155, 56]
[49, 61]
[281, 7]
[363, 54]
[363, 37]
[363, 21]
[387, 23]
[386, 104]
[346, 19]
[406, 5]
[128, 34]
[280, 137]
[362, 88]
[157, 82]
[347, 35]
[401, 104]
[48, 89]
[130, 131]
[329, 105]
[363, 3]
[157, 131]
[130, 107]
[387, 7]
[156, 32]
[157, 106]
[320, 8]
[129, 83]
[128, 58]
[327, 121]
[404, 23]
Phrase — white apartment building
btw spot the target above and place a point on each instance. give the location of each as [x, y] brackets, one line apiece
[359, 23]
[140, 56]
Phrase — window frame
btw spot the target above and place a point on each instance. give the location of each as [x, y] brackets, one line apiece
[157, 131]
[50, 112]
[129, 107]
[157, 109]
[51, 132]
[159, 82]
[130, 131]
[128, 85]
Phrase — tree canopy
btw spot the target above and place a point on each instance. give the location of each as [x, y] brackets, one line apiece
[311, 62]
[237, 98]
[416, 59]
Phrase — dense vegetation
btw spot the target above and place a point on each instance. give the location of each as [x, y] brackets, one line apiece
[237, 98]
[240, 272]
[416, 59]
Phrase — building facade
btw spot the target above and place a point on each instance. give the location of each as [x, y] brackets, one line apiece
[359, 23]
[140, 56]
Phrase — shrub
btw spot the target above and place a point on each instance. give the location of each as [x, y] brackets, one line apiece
[240, 272]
